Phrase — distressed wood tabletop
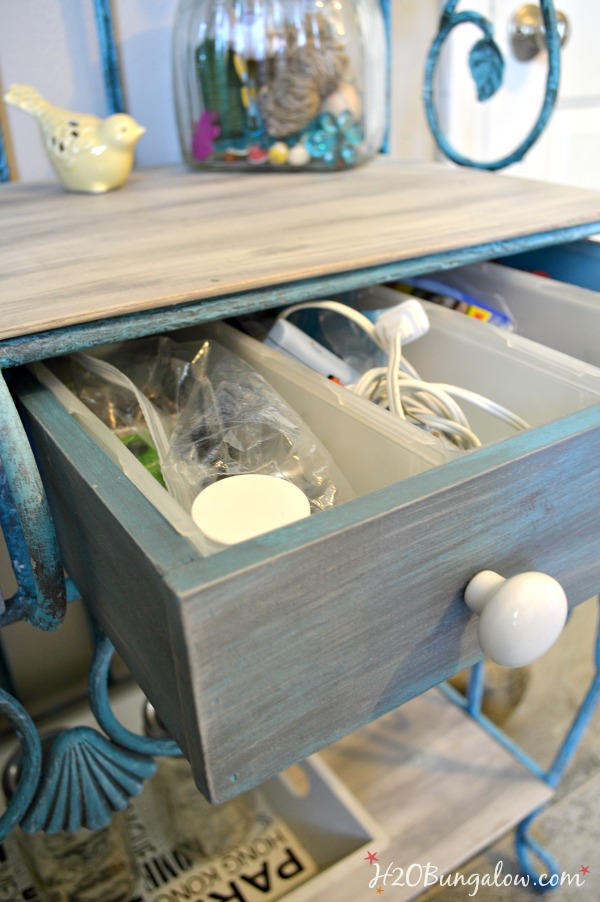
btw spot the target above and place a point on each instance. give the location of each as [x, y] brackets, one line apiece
[172, 236]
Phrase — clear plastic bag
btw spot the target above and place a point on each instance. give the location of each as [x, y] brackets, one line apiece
[209, 415]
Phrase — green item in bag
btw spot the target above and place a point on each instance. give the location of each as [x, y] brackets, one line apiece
[145, 453]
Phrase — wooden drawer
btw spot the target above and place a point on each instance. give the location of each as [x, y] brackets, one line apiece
[259, 655]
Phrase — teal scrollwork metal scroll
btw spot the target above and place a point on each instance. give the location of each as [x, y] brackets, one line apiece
[487, 68]
[85, 777]
[41, 598]
[31, 762]
[100, 705]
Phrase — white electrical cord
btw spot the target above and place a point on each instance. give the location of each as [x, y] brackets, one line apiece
[349, 312]
[399, 387]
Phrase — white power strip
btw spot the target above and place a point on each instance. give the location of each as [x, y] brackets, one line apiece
[293, 342]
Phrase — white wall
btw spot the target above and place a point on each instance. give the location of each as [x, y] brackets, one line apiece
[52, 44]
[414, 26]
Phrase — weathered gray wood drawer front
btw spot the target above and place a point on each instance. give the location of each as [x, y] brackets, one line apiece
[261, 654]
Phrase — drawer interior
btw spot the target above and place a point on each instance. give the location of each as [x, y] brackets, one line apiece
[533, 381]
[573, 263]
[372, 449]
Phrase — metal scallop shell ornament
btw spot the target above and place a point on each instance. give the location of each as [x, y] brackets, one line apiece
[86, 779]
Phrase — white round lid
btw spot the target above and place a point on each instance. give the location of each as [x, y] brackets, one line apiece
[241, 507]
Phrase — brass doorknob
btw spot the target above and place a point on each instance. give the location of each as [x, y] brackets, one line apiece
[527, 34]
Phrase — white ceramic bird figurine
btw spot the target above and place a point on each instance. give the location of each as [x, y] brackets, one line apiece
[87, 153]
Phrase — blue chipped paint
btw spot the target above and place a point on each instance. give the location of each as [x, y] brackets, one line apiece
[100, 705]
[31, 762]
[30, 536]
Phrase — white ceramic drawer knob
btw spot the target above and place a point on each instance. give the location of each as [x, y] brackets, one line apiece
[519, 618]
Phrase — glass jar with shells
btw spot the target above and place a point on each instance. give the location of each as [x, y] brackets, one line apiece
[279, 84]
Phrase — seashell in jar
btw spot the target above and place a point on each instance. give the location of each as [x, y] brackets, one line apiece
[345, 97]
[288, 104]
[309, 66]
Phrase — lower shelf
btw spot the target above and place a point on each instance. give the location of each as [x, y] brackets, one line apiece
[440, 786]
[422, 785]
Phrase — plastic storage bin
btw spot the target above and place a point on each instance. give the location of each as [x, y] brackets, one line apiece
[538, 383]
[560, 315]
[535, 382]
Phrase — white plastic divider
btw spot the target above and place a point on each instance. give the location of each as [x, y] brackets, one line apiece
[537, 383]
[534, 381]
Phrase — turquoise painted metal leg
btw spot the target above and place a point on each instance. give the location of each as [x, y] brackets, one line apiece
[475, 689]
[110, 58]
[31, 762]
[495, 732]
[487, 68]
[100, 705]
[527, 847]
[4, 170]
[28, 527]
